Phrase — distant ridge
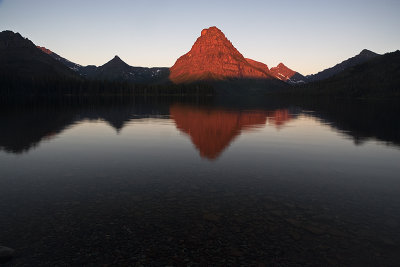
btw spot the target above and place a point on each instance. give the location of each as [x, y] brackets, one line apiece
[117, 70]
[285, 74]
[378, 77]
[364, 56]
[114, 70]
[21, 60]
[66, 62]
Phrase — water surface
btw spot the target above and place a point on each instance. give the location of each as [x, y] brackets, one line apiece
[176, 183]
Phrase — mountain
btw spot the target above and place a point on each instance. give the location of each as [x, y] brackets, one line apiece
[213, 57]
[66, 62]
[117, 70]
[364, 56]
[285, 74]
[21, 61]
[114, 70]
[378, 77]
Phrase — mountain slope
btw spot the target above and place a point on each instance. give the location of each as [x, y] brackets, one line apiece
[114, 70]
[285, 74]
[118, 70]
[364, 56]
[21, 60]
[66, 62]
[379, 77]
[213, 57]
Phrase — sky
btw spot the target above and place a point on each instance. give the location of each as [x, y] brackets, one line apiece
[307, 36]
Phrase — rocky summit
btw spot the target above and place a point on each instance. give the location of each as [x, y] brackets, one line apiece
[213, 57]
[282, 72]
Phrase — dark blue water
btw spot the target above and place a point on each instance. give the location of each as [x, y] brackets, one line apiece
[171, 183]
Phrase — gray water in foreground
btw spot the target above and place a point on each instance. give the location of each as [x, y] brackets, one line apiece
[159, 184]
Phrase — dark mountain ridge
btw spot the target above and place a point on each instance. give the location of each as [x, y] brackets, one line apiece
[378, 77]
[114, 70]
[117, 70]
[20, 59]
[66, 62]
[364, 56]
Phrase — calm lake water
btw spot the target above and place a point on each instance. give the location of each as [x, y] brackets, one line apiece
[161, 183]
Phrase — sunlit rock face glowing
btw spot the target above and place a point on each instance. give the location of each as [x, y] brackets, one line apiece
[45, 50]
[282, 72]
[213, 130]
[213, 57]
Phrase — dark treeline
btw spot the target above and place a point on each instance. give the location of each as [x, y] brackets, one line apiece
[12, 85]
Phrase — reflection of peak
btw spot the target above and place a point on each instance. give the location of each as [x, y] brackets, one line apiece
[279, 117]
[212, 130]
[17, 137]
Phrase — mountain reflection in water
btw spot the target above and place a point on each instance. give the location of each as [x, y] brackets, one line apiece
[211, 128]
[124, 183]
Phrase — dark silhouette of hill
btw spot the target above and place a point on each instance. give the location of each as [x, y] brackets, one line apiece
[364, 56]
[73, 66]
[115, 70]
[378, 77]
[118, 70]
[21, 63]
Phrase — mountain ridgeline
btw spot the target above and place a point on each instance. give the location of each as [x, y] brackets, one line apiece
[118, 70]
[115, 70]
[364, 56]
[377, 77]
[212, 66]
[29, 70]
[20, 59]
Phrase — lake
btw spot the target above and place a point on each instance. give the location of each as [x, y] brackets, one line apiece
[169, 183]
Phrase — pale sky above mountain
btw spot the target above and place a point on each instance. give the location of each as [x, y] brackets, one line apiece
[307, 36]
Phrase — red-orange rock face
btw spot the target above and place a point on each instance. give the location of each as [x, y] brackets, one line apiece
[213, 57]
[261, 66]
[282, 72]
[45, 50]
